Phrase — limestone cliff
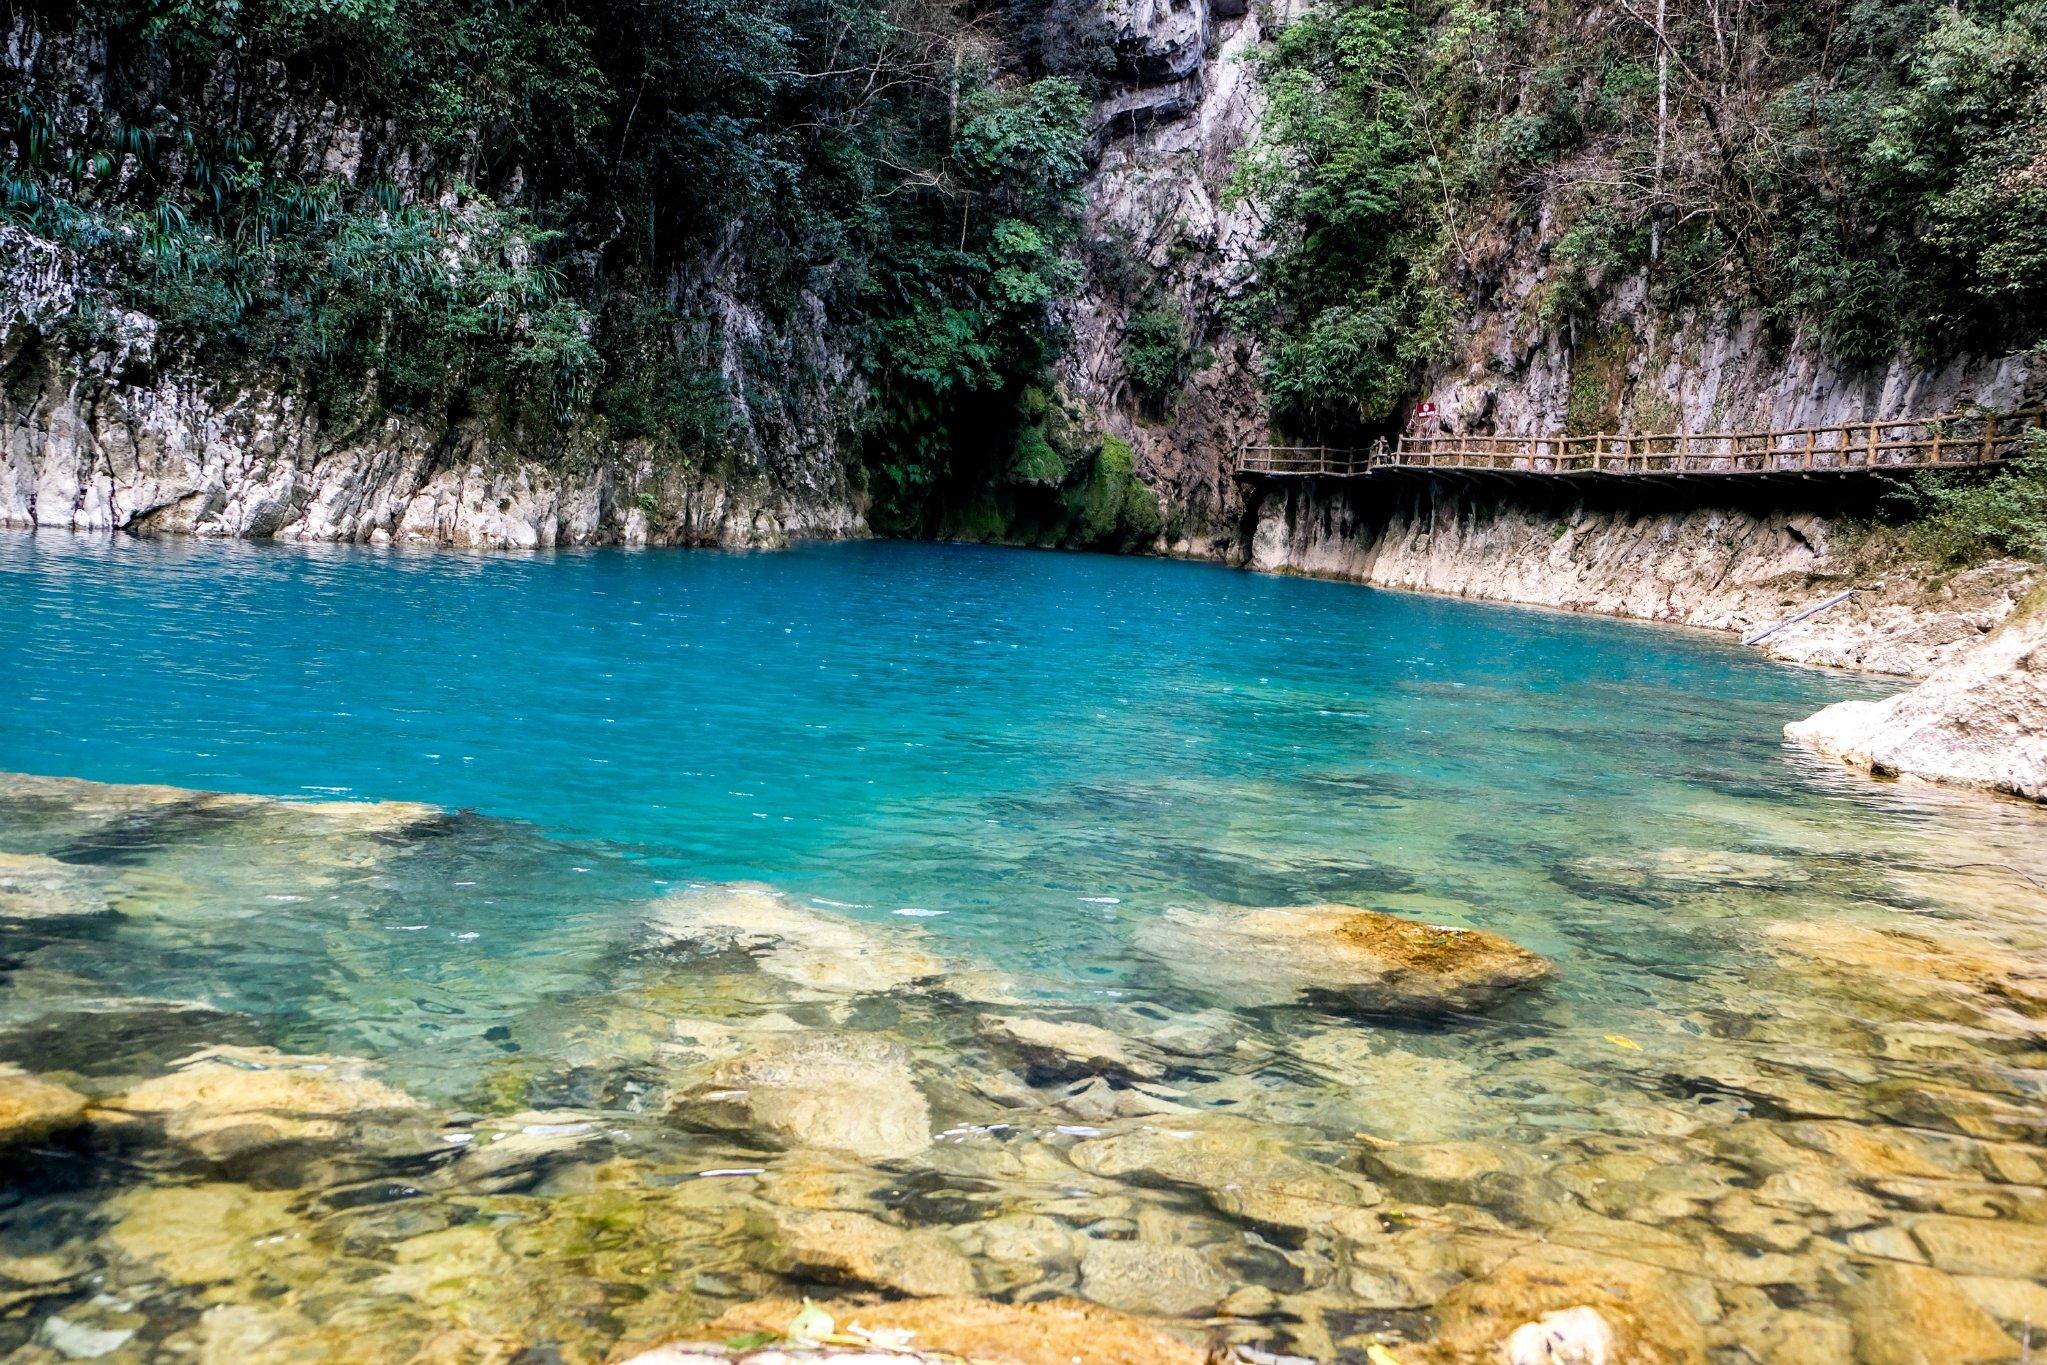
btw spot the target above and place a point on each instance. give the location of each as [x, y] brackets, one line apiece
[1167, 238]
[96, 451]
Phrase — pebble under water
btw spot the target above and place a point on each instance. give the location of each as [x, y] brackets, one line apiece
[536, 958]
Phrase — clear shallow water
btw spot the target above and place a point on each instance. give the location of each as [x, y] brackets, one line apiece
[1013, 761]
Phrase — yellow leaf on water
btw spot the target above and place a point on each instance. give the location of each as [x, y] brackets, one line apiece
[1622, 1040]
[1379, 1355]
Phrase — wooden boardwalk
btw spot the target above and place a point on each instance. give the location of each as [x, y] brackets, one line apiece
[1898, 445]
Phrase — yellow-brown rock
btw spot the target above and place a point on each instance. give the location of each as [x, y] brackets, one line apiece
[1368, 960]
[32, 1108]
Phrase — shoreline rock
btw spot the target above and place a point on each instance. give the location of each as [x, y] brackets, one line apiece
[1979, 720]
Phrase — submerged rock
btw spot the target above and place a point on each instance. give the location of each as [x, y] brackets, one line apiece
[1055, 1331]
[510, 1153]
[1150, 1277]
[227, 1102]
[844, 1247]
[1482, 1174]
[1910, 1315]
[1065, 1050]
[1663, 876]
[1373, 962]
[1565, 1308]
[1910, 970]
[1243, 1169]
[38, 888]
[32, 1108]
[799, 945]
[847, 1092]
[209, 1233]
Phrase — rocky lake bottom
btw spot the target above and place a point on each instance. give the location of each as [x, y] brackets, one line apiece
[443, 959]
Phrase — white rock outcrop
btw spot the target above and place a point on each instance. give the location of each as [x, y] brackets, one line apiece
[1978, 720]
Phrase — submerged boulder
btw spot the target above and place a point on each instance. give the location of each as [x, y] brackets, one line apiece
[1154, 1278]
[1066, 1050]
[32, 1108]
[844, 1092]
[1243, 1169]
[1911, 1315]
[804, 947]
[38, 888]
[844, 1247]
[1665, 876]
[1911, 972]
[226, 1102]
[1372, 962]
[1566, 1308]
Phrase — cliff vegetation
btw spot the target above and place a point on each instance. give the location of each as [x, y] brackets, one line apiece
[1874, 175]
[663, 217]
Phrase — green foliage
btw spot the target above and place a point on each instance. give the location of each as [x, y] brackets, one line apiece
[963, 298]
[1912, 189]
[1156, 355]
[1964, 518]
[1598, 376]
[1872, 173]
[547, 192]
[1114, 509]
[1348, 302]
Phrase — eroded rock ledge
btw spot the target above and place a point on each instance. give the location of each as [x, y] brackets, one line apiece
[1980, 719]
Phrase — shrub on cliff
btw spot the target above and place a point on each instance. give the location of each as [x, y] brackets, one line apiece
[1963, 519]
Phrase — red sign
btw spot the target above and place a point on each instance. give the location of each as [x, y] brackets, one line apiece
[1423, 411]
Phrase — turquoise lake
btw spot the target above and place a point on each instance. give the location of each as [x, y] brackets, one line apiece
[1012, 762]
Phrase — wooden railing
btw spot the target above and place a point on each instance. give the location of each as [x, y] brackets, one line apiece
[1947, 441]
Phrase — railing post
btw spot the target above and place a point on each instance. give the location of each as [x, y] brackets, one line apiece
[1989, 438]
[1934, 457]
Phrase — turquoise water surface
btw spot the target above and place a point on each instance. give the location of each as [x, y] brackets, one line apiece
[969, 782]
[1022, 750]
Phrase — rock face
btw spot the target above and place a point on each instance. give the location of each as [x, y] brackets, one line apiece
[1183, 102]
[1722, 568]
[1370, 961]
[844, 1092]
[1978, 720]
[91, 454]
